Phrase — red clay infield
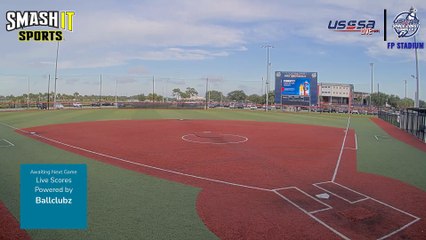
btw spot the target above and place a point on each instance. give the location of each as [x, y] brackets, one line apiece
[9, 226]
[259, 180]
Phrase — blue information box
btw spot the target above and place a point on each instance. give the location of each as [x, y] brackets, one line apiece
[53, 196]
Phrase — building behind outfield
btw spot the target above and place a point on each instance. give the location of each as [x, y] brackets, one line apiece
[335, 95]
[360, 99]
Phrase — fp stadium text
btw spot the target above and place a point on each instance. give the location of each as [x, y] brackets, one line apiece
[52, 19]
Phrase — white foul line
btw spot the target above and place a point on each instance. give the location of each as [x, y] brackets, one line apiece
[341, 150]
[310, 214]
[364, 197]
[328, 207]
[145, 165]
[10, 144]
[356, 142]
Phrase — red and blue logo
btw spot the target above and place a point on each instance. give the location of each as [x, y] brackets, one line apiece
[365, 27]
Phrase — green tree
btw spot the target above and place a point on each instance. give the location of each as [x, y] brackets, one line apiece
[271, 98]
[141, 97]
[156, 97]
[237, 95]
[191, 92]
[254, 98]
[393, 100]
[422, 104]
[215, 96]
[177, 93]
[76, 95]
[379, 99]
[406, 103]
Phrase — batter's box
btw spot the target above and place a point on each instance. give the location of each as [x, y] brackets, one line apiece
[302, 200]
[341, 192]
[368, 219]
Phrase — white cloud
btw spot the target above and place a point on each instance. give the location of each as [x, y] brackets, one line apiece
[194, 30]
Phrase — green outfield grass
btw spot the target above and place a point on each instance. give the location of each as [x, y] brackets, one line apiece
[123, 204]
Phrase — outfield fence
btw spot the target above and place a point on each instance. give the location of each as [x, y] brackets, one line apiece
[411, 120]
[163, 105]
[21, 91]
[390, 117]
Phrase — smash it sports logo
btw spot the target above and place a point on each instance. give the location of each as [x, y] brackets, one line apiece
[51, 19]
[365, 27]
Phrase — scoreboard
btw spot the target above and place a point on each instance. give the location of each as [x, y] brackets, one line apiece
[296, 88]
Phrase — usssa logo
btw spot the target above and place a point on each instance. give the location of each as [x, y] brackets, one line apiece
[364, 27]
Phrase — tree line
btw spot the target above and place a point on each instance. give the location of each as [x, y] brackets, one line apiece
[385, 100]
[377, 99]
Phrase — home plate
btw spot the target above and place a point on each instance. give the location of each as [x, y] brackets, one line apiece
[32, 133]
[323, 196]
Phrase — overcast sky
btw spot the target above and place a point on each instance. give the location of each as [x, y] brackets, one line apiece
[183, 42]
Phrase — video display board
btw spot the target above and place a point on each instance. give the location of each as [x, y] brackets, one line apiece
[296, 88]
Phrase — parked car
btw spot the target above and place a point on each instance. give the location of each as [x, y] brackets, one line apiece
[42, 106]
[58, 106]
[77, 105]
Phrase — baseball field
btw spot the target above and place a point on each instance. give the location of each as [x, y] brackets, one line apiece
[222, 174]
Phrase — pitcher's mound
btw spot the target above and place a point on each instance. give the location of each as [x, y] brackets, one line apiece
[214, 138]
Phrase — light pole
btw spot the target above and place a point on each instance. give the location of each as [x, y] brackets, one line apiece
[28, 92]
[153, 89]
[100, 91]
[268, 66]
[405, 88]
[416, 93]
[372, 81]
[56, 76]
[116, 98]
[48, 93]
[207, 92]
[417, 103]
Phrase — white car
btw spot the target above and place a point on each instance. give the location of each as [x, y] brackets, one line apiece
[77, 105]
[58, 106]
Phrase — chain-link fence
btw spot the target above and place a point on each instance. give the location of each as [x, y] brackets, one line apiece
[411, 120]
[104, 90]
